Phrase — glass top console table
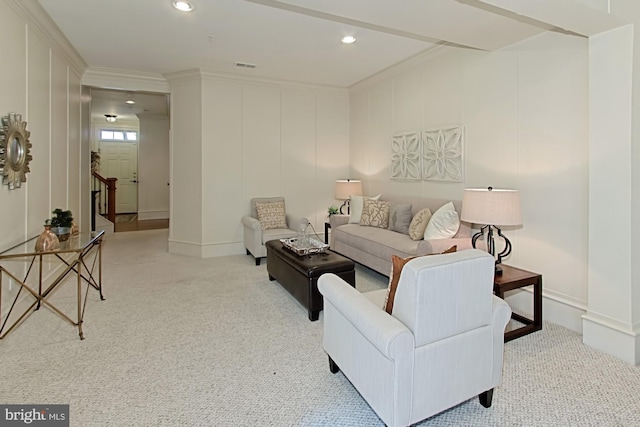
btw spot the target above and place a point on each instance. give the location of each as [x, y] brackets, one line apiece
[37, 274]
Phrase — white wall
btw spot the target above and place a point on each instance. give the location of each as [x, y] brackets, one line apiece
[43, 84]
[525, 114]
[254, 138]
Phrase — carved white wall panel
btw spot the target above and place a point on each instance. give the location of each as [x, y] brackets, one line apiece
[405, 156]
[442, 154]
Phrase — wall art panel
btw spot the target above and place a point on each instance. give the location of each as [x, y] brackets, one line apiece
[405, 156]
[442, 154]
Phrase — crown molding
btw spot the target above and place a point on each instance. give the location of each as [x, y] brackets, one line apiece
[151, 116]
[203, 74]
[37, 19]
[113, 78]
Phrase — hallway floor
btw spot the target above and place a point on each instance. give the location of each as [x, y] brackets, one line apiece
[136, 225]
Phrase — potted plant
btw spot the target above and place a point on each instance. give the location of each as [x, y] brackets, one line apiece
[333, 210]
[60, 223]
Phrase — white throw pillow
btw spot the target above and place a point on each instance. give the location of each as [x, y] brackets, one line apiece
[355, 207]
[444, 223]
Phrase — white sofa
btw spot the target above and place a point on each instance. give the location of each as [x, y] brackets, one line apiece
[442, 345]
[373, 247]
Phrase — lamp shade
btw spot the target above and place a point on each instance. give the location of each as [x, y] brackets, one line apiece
[345, 188]
[491, 206]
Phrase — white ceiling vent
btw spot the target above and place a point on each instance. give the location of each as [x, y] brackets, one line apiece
[245, 65]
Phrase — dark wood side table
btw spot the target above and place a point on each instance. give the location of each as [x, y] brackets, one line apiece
[514, 278]
[327, 226]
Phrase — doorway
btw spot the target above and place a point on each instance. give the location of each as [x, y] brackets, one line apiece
[131, 135]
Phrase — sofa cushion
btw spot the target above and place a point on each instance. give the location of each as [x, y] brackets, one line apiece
[419, 224]
[271, 215]
[375, 213]
[356, 204]
[400, 218]
[397, 264]
[444, 223]
[379, 242]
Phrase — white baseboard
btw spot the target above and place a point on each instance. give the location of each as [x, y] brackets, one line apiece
[206, 250]
[555, 308]
[185, 248]
[610, 337]
[146, 215]
[222, 249]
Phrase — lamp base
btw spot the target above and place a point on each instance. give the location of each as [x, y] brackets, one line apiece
[491, 247]
[348, 205]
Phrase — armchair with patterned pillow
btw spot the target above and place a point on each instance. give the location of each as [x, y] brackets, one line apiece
[268, 220]
[440, 343]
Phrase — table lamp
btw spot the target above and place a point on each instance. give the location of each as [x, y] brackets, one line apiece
[492, 208]
[345, 188]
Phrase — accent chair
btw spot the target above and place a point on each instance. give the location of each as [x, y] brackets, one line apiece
[442, 345]
[256, 233]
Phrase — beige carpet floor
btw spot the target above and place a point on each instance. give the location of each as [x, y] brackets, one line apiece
[182, 341]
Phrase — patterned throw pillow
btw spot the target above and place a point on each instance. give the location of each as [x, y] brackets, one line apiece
[400, 218]
[419, 224]
[271, 215]
[375, 214]
[357, 204]
[397, 264]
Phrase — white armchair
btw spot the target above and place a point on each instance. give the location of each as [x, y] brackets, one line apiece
[442, 345]
[255, 237]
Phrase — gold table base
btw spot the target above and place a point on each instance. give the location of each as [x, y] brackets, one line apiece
[74, 254]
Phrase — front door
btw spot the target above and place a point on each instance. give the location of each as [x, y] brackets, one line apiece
[120, 160]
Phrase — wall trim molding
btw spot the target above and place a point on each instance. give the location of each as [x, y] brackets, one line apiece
[612, 337]
[37, 18]
[205, 250]
[184, 248]
[113, 78]
[556, 308]
[152, 116]
[199, 73]
[147, 215]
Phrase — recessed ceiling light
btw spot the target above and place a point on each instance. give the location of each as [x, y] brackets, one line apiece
[184, 6]
[348, 39]
[130, 101]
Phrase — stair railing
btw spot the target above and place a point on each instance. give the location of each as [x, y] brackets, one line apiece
[105, 190]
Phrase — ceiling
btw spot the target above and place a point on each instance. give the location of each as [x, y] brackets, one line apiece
[293, 40]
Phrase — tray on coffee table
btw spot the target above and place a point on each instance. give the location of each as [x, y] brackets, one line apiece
[315, 246]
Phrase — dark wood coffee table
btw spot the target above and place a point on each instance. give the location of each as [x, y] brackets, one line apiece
[299, 274]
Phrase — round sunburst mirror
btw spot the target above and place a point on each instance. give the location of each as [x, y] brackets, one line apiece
[14, 150]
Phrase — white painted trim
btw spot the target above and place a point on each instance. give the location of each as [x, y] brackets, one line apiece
[609, 337]
[37, 18]
[222, 249]
[280, 84]
[206, 250]
[112, 78]
[152, 116]
[185, 248]
[147, 215]
[556, 308]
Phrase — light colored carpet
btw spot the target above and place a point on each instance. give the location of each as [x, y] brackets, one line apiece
[182, 341]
